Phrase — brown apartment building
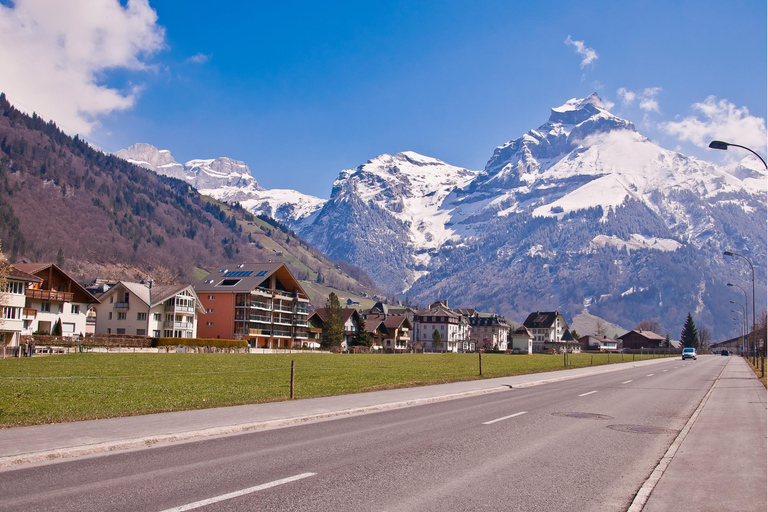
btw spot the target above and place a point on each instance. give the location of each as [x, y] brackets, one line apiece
[258, 302]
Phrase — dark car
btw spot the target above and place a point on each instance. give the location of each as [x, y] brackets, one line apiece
[724, 353]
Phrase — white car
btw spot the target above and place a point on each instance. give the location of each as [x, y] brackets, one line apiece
[689, 353]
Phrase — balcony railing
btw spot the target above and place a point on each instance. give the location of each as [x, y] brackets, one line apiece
[187, 326]
[121, 306]
[261, 305]
[260, 318]
[179, 309]
[28, 313]
[32, 293]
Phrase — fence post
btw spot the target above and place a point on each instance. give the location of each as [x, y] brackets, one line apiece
[480, 360]
[293, 378]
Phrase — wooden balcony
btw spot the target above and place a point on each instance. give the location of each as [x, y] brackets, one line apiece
[51, 295]
[28, 313]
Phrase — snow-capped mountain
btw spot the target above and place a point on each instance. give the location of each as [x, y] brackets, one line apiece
[392, 207]
[583, 209]
[226, 180]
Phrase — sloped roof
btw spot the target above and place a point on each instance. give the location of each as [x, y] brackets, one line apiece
[35, 268]
[346, 313]
[522, 331]
[245, 277]
[396, 322]
[541, 319]
[20, 275]
[157, 295]
[650, 335]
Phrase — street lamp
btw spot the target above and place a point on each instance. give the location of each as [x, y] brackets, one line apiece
[746, 303]
[718, 144]
[743, 323]
[754, 323]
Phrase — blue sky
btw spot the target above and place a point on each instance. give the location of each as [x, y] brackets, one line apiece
[301, 90]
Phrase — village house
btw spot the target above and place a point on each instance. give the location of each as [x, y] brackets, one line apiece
[259, 302]
[489, 331]
[521, 341]
[146, 309]
[56, 299]
[640, 339]
[350, 317]
[550, 331]
[14, 314]
[598, 342]
[452, 328]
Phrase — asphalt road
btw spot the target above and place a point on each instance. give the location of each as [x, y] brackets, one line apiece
[584, 444]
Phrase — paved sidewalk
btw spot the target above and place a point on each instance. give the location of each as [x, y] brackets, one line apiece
[720, 465]
[61, 440]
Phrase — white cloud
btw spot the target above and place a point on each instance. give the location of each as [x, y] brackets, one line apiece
[719, 120]
[646, 99]
[54, 54]
[588, 55]
[199, 58]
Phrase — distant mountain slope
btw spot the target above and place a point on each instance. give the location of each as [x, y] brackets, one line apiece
[96, 214]
[582, 210]
[227, 180]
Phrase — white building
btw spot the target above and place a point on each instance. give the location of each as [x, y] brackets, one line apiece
[452, 328]
[56, 299]
[13, 311]
[167, 311]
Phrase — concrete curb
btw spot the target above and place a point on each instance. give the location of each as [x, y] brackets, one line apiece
[192, 435]
[641, 498]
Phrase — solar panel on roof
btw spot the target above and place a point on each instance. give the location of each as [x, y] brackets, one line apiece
[239, 273]
[262, 273]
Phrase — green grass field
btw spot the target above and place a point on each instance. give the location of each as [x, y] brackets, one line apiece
[76, 387]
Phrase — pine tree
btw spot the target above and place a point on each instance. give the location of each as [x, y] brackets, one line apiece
[56, 331]
[362, 337]
[437, 341]
[689, 336]
[334, 323]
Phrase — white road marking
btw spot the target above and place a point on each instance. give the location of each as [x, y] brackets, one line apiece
[666, 370]
[505, 417]
[585, 394]
[649, 375]
[242, 492]
[626, 382]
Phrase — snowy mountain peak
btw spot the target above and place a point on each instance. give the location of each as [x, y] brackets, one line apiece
[576, 111]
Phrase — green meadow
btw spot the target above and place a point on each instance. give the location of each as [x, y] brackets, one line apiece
[73, 387]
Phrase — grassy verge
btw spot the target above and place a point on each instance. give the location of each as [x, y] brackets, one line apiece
[89, 386]
[757, 371]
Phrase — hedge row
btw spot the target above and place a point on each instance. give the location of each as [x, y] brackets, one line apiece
[198, 342]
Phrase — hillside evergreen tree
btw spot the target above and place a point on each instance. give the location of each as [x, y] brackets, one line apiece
[689, 336]
[334, 323]
[362, 337]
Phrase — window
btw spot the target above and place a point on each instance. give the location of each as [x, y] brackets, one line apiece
[140, 332]
[157, 318]
[141, 316]
[211, 310]
[121, 331]
[211, 297]
[209, 324]
[109, 331]
[229, 282]
[45, 307]
[61, 308]
[75, 309]
[111, 299]
[156, 334]
[110, 315]
[121, 315]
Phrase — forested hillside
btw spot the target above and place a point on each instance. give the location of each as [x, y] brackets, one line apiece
[95, 214]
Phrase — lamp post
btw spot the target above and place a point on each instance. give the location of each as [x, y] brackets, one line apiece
[718, 144]
[751, 266]
[746, 305]
[743, 322]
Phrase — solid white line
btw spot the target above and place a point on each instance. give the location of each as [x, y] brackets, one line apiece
[626, 382]
[649, 375]
[666, 370]
[505, 417]
[235, 494]
[585, 394]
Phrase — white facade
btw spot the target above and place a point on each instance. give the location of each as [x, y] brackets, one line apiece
[13, 314]
[51, 307]
[137, 310]
[453, 329]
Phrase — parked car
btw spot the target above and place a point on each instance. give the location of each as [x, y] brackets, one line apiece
[724, 353]
[689, 353]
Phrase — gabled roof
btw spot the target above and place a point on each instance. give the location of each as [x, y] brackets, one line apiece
[396, 322]
[346, 313]
[156, 295]
[245, 277]
[522, 331]
[650, 335]
[37, 268]
[541, 319]
[20, 275]
[374, 325]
